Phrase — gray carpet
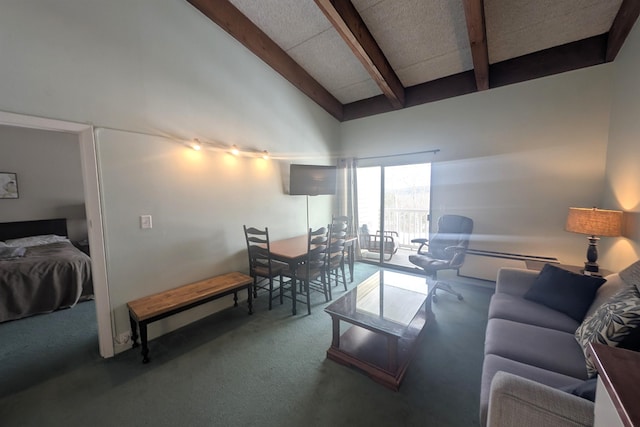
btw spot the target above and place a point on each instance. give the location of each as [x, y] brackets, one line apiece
[232, 369]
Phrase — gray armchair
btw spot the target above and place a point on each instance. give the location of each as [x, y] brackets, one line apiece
[519, 402]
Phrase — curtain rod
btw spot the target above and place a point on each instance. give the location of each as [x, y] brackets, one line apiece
[399, 155]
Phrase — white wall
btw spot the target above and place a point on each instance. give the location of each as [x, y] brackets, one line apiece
[623, 155]
[49, 174]
[161, 68]
[513, 158]
[521, 154]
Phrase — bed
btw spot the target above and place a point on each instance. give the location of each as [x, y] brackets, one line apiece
[40, 269]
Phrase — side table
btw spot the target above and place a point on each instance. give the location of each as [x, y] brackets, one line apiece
[618, 386]
[83, 245]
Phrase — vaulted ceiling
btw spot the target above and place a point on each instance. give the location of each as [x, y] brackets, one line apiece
[363, 57]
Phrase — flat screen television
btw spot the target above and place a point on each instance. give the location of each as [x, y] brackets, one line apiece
[312, 180]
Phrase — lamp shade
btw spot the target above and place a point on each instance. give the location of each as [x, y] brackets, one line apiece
[594, 222]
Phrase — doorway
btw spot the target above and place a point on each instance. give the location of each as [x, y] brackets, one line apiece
[84, 133]
[394, 204]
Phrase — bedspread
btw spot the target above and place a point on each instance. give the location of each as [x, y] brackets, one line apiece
[47, 278]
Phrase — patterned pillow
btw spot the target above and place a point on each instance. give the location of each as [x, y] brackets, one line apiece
[613, 321]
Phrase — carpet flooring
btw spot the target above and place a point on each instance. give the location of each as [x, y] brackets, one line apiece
[231, 369]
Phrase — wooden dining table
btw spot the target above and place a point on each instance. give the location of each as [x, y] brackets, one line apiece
[293, 250]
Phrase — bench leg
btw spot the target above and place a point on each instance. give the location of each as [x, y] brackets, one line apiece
[145, 346]
[134, 331]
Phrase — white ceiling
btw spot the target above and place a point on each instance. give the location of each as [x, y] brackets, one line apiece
[423, 40]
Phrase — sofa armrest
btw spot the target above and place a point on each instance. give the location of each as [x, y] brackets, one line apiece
[517, 401]
[515, 281]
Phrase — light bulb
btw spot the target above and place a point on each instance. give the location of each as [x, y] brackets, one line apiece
[265, 155]
[234, 150]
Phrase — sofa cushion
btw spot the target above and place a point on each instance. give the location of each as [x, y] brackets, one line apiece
[494, 363]
[509, 307]
[565, 291]
[545, 348]
[611, 323]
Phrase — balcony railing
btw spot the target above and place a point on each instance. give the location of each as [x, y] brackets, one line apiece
[409, 223]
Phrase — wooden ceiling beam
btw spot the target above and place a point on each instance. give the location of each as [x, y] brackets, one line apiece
[423, 93]
[349, 24]
[559, 59]
[622, 24]
[230, 19]
[567, 57]
[474, 13]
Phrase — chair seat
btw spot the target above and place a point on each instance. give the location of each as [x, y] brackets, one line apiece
[427, 262]
[264, 271]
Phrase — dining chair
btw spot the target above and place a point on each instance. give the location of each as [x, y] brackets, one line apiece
[336, 254]
[262, 268]
[310, 274]
[344, 219]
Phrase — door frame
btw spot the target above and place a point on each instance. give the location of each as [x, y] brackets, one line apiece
[93, 207]
[374, 162]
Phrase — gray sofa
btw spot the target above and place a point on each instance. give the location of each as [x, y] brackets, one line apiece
[530, 354]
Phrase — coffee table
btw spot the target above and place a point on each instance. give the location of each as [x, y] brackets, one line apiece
[388, 313]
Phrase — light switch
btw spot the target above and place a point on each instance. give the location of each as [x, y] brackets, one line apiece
[145, 221]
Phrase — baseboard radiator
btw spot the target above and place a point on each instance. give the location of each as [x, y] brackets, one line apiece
[484, 264]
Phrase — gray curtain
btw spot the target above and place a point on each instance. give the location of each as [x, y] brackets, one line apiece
[348, 196]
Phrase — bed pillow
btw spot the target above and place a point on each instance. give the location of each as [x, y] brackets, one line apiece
[44, 239]
[7, 253]
[611, 323]
[564, 291]
[3, 245]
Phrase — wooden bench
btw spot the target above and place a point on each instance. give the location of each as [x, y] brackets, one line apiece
[164, 304]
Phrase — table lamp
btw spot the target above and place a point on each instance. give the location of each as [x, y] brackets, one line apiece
[594, 222]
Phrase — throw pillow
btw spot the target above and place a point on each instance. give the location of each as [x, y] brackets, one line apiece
[565, 291]
[631, 274]
[612, 286]
[585, 389]
[611, 323]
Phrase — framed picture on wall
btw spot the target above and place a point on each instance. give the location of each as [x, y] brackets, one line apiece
[8, 185]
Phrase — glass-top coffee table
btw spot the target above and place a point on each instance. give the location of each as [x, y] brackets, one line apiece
[388, 312]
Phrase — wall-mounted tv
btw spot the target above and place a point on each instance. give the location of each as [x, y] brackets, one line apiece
[312, 180]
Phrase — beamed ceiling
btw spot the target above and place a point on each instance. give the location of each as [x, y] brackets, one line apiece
[364, 57]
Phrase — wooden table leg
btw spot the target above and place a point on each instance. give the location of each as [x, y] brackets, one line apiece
[335, 340]
[294, 294]
[393, 353]
[351, 258]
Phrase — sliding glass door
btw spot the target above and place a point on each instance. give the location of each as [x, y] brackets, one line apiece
[393, 208]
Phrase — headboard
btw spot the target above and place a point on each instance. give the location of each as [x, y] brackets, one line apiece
[14, 230]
